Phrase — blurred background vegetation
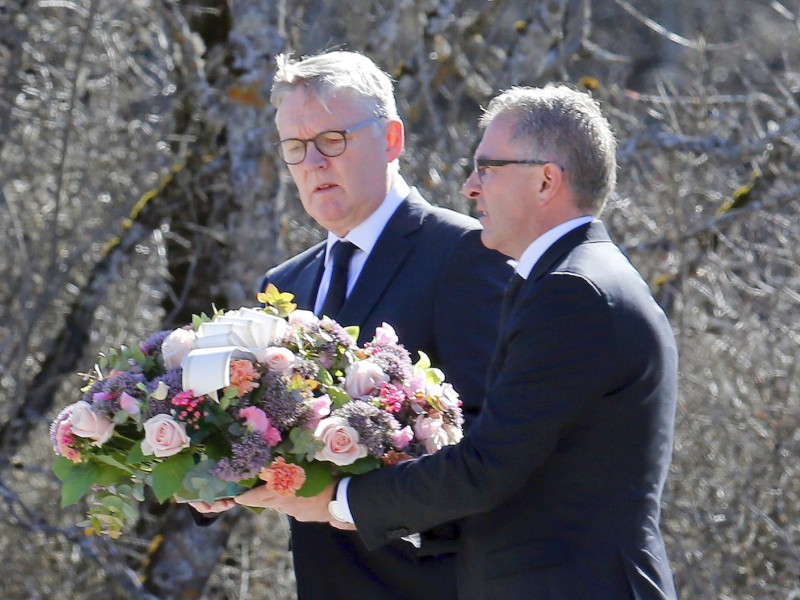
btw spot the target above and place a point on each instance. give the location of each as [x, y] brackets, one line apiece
[138, 185]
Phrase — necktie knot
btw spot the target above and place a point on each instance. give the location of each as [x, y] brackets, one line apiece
[342, 252]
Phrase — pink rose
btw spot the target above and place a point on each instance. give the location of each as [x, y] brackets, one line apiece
[164, 436]
[175, 346]
[385, 335]
[255, 418]
[321, 407]
[302, 317]
[363, 378]
[84, 422]
[402, 437]
[341, 442]
[272, 435]
[128, 403]
[258, 420]
[280, 360]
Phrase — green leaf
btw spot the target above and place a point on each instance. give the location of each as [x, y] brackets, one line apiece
[318, 477]
[108, 475]
[113, 460]
[168, 475]
[77, 480]
[338, 396]
[304, 444]
[353, 331]
[217, 448]
[361, 466]
[135, 456]
[424, 361]
[324, 377]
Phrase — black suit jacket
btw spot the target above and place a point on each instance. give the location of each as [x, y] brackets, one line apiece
[560, 477]
[430, 277]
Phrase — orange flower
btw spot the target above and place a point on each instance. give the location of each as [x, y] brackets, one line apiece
[392, 457]
[283, 478]
[243, 376]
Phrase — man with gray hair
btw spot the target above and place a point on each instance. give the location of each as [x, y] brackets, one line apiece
[389, 256]
[559, 479]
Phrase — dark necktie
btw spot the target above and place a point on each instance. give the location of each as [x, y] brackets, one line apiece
[337, 290]
[512, 289]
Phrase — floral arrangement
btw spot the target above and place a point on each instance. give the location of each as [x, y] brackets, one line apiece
[271, 396]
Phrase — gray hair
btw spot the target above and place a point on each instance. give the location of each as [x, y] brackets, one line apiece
[327, 73]
[565, 126]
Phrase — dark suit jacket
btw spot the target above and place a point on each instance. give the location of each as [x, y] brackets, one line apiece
[560, 477]
[430, 277]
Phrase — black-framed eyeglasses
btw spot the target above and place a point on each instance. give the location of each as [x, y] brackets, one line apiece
[329, 143]
[480, 164]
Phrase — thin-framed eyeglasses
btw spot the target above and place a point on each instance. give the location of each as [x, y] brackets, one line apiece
[479, 165]
[329, 143]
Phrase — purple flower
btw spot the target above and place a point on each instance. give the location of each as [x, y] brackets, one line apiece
[394, 359]
[152, 345]
[374, 426]
[250, 454]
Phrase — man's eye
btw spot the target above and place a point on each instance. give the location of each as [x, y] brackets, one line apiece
[292, 146]
[330, 140]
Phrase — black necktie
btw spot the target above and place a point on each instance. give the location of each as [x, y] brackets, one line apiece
[512, 289]
[337, 290]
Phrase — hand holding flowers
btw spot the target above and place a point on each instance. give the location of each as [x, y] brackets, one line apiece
[271, 396]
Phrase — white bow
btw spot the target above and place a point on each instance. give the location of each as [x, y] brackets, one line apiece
[235, 334]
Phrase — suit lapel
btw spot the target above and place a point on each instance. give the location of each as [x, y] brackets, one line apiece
[307, 282]
[388, 255]
[591, 232]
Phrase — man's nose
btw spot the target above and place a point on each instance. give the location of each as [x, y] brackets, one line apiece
[472, 186]
[314, 158]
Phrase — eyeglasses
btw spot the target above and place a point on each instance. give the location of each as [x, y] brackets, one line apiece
[480, 164]
[329, 143]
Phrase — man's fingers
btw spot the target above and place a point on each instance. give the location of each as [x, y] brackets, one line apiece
[217, 506]
[260, 497]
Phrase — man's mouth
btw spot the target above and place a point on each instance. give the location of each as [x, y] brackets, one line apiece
[324, 186]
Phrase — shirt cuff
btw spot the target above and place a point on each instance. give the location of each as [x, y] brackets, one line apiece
[341, 498]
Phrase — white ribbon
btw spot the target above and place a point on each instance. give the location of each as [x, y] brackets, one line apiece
[235, 334]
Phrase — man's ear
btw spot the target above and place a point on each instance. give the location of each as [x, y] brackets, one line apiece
[395, 139]
[551, 181]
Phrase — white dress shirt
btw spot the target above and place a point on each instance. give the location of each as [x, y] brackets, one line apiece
[364, 236]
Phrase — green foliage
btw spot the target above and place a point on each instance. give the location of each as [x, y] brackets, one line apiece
[76, 479]
[168, 475]
[318, 477]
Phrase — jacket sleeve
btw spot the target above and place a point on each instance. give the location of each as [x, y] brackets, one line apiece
[556, 359]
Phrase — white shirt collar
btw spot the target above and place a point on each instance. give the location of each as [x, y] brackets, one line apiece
[365, 235]
[540, 245]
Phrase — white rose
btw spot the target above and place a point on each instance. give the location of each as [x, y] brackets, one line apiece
[341, 442]
[454, 434]
[302, 317]
[431, 432]
[164, 436]
[84, 422]
[363, 378]
[175, 346]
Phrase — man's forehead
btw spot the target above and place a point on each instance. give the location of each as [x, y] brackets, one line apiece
[302, 107]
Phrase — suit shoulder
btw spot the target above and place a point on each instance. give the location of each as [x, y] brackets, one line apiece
[298, 261]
